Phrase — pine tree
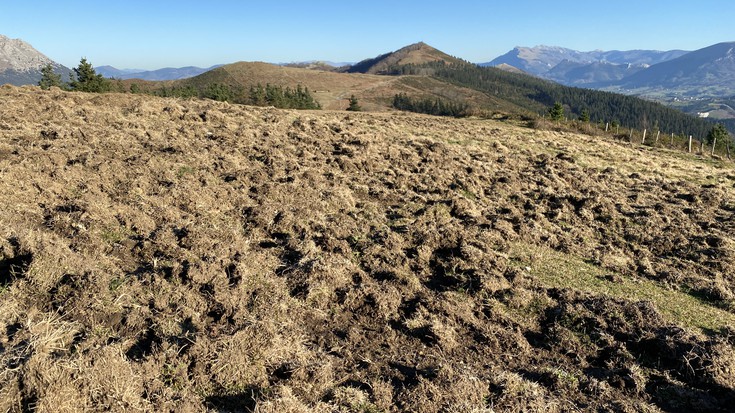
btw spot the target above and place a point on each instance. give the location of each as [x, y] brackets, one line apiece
[87, 80]
[585, 116]
[219, 91]
[556, 113]
[354, 104]
[718, 133]
[49, 78]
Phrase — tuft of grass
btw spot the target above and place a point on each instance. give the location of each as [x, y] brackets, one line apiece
[113, 235]
[184, 170]
[558, 270]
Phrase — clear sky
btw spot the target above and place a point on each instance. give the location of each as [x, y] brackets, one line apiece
[161, 33]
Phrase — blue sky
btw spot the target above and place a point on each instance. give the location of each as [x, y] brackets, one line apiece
[154, 34]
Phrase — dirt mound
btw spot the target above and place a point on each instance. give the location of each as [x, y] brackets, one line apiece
[159, 254]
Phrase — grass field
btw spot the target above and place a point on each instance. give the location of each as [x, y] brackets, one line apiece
[171, 255]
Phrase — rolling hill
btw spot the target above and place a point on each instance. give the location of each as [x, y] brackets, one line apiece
[332, 89]
[422, 71]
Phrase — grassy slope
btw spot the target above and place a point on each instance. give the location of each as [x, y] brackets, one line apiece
[158, 254]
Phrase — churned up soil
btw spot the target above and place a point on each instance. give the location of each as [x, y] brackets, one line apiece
[170, 255]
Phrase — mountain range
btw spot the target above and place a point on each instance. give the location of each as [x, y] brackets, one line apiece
[168, 73]
[572, 67]
[707, 72]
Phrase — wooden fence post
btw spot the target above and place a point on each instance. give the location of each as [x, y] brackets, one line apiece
[714, 142]
[643, 141]
[672, 139]
[630, 138]
[690, 143]
[607, 125]
[658, 133]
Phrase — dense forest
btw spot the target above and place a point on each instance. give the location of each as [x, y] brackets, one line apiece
[537, 95]
[437, 107]
[268, 95]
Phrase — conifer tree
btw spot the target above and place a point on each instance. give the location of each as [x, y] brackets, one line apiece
[556, 113]
[49, 78]
[718, 133]
[354, 104]
[87, 80]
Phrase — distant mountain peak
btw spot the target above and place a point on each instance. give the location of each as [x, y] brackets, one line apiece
[416, 53]
[21, 64]
[15, 54]
[572, 67]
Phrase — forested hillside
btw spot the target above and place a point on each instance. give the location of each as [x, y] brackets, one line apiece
[536, 95]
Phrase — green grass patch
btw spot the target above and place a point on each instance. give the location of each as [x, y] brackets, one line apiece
[558, 270]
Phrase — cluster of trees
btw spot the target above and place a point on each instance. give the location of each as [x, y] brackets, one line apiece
[536, 95]
[259, 95]
[280, 97]
[83, 79]
[430, 106]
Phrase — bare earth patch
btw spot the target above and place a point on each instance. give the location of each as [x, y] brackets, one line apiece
[169, 255]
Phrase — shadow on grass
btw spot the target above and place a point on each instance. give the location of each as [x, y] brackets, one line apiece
[244, 401]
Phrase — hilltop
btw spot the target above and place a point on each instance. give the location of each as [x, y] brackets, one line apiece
[160, 254]
[389, 63]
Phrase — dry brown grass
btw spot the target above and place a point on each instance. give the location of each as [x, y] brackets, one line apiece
[159, 254]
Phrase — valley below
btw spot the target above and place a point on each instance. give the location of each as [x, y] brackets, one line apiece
[161, 254]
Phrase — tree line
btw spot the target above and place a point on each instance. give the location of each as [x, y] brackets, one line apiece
[258, 95]
[83, 78]
[437, 107]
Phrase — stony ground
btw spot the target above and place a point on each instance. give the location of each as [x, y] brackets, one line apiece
[167, 255]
